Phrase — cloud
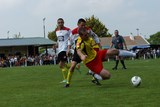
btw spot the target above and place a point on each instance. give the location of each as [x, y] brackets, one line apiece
[104, 5]
[27, 15]
[76, 6]
[8, 4]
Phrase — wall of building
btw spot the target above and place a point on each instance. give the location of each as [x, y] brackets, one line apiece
[13, 50]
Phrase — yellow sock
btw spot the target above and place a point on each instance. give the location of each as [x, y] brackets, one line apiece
[69, 76]
[64, 73]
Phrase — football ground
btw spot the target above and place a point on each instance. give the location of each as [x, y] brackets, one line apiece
[38, 86]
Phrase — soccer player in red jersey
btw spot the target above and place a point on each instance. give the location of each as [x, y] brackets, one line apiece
[92, 59]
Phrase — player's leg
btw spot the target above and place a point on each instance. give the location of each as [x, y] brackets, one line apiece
[98, 69]
[62, 64]
[78, 67]
[123, 53]
[96, 77]
[122, 62]
[70, 73]
[64, 71]
[96, 65]
[120, 53]
[117, 62]
[76, 59]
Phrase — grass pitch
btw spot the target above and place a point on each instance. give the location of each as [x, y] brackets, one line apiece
[39, 87]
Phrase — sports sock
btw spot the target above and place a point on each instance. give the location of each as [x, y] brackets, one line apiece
[90, 72]
[69, 76]
[117, 62]
[126, 53]
[98, 76]
[64, 73]
[122, 62]
[95, 75]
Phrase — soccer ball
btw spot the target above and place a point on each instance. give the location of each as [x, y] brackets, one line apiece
[136, 81]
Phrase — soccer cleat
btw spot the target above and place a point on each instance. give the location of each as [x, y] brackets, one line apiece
[64, 81]
[114, 68]
[95, 81]
[66, 85]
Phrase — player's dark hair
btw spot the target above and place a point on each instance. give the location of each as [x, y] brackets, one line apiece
[60, 19]
[116, 31]
[81, 20]
[81, 31]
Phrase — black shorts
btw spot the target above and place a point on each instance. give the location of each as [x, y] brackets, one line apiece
[62, 56]
[76, 57]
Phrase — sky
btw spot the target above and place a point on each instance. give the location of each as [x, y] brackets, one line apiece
[26, 16]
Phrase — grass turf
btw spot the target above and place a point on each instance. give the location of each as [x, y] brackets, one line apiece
[39, 87]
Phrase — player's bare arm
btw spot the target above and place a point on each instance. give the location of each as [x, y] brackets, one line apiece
[81, 55]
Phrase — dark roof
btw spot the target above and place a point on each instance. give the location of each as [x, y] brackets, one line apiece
[37, 41]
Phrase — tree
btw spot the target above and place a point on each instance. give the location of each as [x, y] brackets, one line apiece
[155, 38]
[52, 35]
[97, 26]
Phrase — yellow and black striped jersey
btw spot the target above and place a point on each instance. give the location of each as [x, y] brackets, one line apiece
[87, 48]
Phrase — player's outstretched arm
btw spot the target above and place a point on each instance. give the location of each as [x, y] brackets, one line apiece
[81, 55]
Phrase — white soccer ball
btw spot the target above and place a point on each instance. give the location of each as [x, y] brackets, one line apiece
[136, 81]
